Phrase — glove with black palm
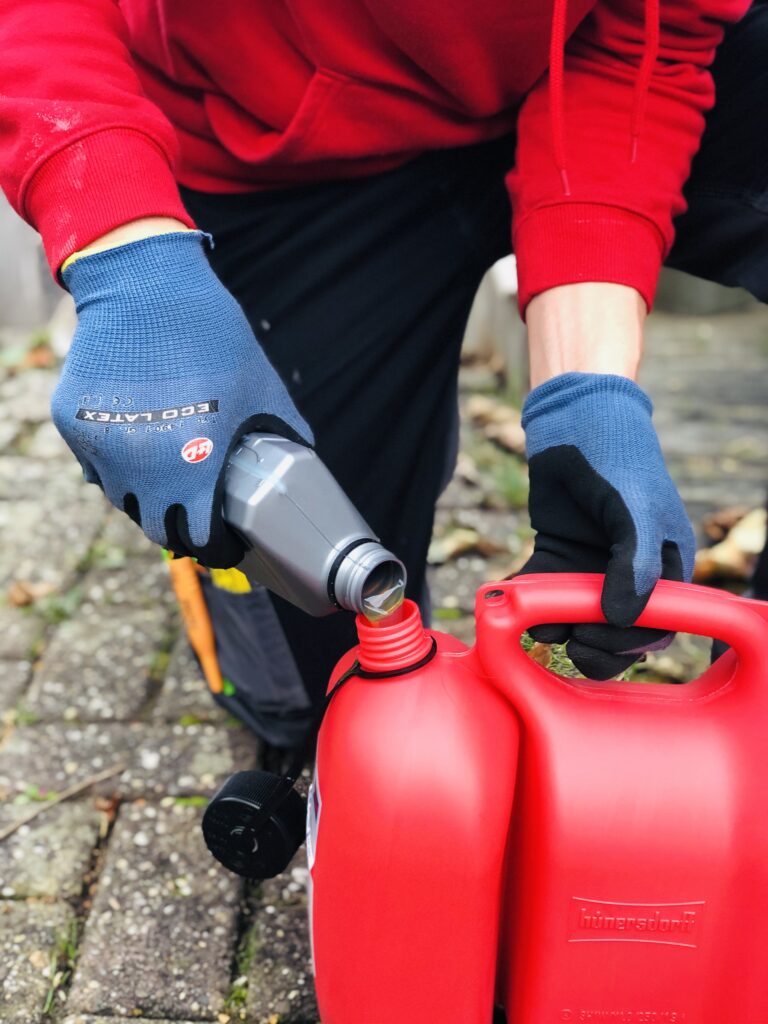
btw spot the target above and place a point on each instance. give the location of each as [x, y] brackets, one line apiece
[602, 501]
[163, 378]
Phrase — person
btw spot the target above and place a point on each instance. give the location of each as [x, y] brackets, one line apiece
[334, 179]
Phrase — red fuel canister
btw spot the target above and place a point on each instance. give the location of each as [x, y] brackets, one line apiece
[409, 816]
[632, 885]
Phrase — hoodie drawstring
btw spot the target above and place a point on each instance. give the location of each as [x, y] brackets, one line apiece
[652, 31]
[644, 75]
[556, 75]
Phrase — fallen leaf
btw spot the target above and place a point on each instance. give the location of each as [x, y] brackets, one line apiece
[461, 541]
[541, 654]
[24, 592]
[735, 556]
[509, 435]
[718, 524]
[38, 959]
[482, 409]
[39, 357]
[500, 422]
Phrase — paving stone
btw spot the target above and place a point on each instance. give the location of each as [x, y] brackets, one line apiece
[51, 855]
[185, 694]
[500, 528]
[9, 431]
[121, 532]
[47, 443]
[14, 676]
[26, 397]
[455, 584]
[87, 1018]
[98, 665]
[460, 494]
[479, 377]
[159, 939]
[29, 933]
[463, 628]
[177, 760]
[52, 757]
[161, 760]
[20, 630]
[139, 581]
[22, 477]
[280, 981]
[49, 542]
[697, 433]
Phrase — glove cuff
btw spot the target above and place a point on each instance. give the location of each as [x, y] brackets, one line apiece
[606, 390]
[141, 260]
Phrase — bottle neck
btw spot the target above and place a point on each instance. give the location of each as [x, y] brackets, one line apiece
[393, 643]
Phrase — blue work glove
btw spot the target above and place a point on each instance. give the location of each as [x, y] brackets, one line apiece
[601, 500]
[163, 377]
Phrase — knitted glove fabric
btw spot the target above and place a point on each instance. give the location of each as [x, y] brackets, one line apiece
[601, 500]
[163, 377]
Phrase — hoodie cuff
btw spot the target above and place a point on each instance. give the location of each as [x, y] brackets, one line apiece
[97, 184]
[576, 242]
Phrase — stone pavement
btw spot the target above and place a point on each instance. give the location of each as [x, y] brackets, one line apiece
[110, 907]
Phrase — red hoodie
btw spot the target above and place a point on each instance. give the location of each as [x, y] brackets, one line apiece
[104, 107]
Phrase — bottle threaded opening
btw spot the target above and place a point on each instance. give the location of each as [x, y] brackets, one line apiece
[393, 643]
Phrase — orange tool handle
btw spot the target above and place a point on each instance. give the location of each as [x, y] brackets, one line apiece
[194, 611]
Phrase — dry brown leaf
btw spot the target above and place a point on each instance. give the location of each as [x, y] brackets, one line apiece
[39, 357]
[734, 557]
[461, 541]
[718, 524]
[509, 435]
[500, 422]
[482, 410]
[39, 959]
[541, 654]
[24, 592]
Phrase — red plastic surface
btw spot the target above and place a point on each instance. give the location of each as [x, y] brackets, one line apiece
[635, 882]
[416, 776]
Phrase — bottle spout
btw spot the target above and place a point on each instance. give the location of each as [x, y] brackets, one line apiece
[394, 643]
[383, 592]
[369, 580]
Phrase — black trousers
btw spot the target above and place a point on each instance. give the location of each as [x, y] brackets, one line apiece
[360, 290]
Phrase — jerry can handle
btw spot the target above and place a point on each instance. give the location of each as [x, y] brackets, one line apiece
[505, 610]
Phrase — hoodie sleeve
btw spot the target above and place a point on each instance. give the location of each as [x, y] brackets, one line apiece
[74, 124]
[604, 151]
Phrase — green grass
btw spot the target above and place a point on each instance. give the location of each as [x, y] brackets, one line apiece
[560, 663]
[508, 472]
[63, 959]
[102, 555]
[191, 801]
[445, 614]
[34, 795]
[245, 955]
[57, 608]
[23, 716]
[511, 478]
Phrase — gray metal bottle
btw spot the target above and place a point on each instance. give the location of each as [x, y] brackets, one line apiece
[307, 542]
